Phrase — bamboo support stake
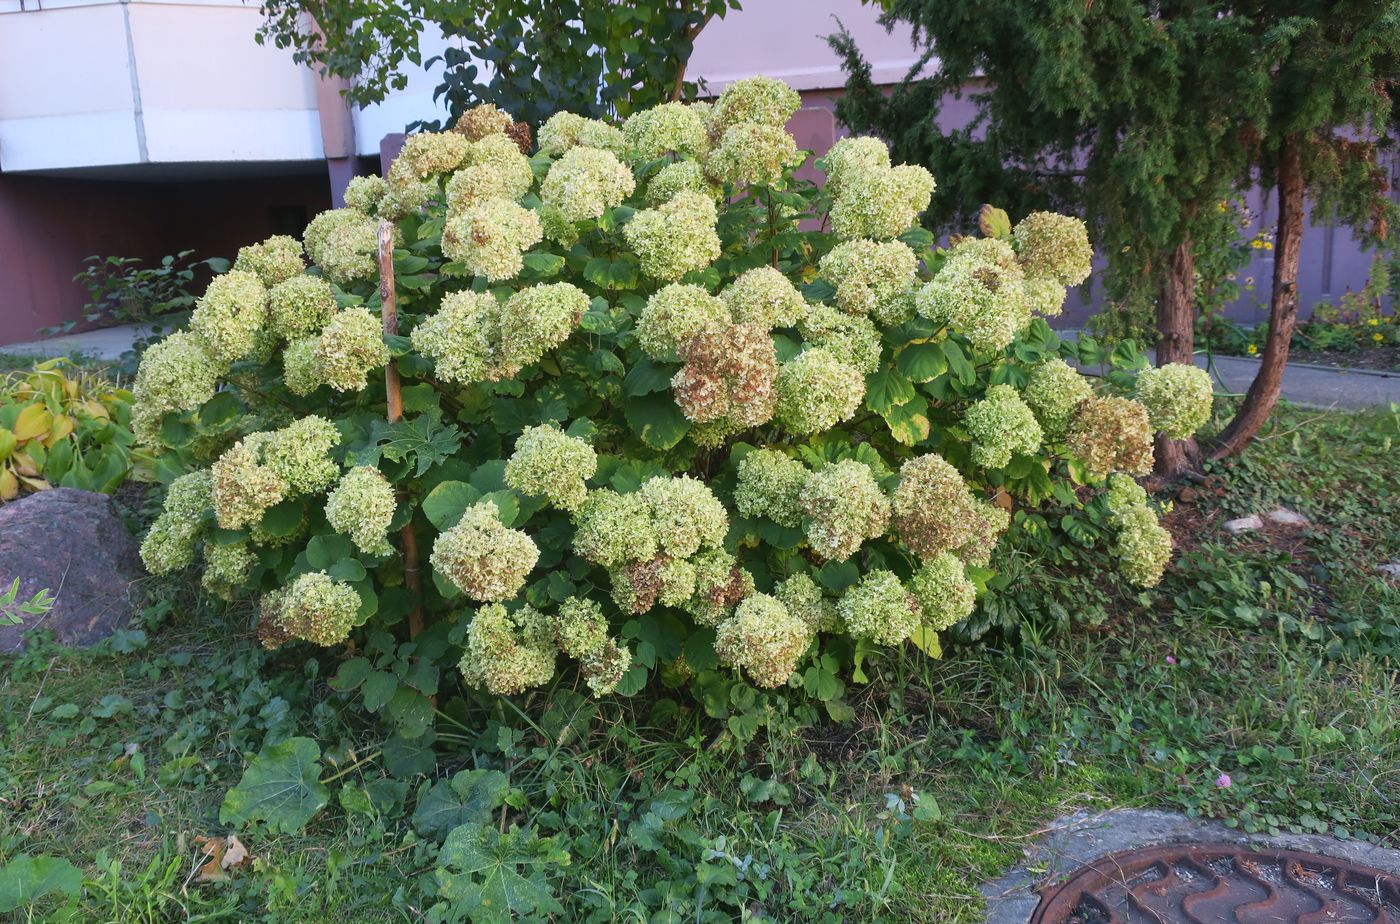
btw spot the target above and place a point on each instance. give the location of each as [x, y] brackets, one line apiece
[393, 390]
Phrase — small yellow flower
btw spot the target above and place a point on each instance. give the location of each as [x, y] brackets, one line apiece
[1374, 322]
[1268, 245]
[1256, 244]
[1251, 349]
[1378, 337]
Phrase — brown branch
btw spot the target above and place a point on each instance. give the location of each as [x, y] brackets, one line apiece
[678, 90]
[393, 393]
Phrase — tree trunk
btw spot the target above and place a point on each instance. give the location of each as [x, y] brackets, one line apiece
[1283, 308]
[1176, 320]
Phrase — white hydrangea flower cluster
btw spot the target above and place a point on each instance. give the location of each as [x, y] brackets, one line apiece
[674, 315]
[508, 653]
[300, 306]
[1178, 398]
[851, 339]
[550, 463]
[979, 292]
[765, 297]
[226, 567]
[482, 121]
[565, 130]
[878, 202]
[1053, 246]
[581, 632]
[1001, 426]
[749, 153]
[879, 609]
[764, 639]
[1142, 545]
[752, 101]
[943, 592]
[343, 243]
[349, 348]
[177, 374]
[678, 177]
[230, 314]
[364, 193]
[844, 506]
[490, 237]
[362, 507]
[482, 557]
[475, 338]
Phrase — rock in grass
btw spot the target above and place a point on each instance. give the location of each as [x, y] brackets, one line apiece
[73, 544]
[1243, 524]
[1391, 569]
[1285, 517]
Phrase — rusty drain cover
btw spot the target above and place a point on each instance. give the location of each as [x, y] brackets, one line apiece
[1220, 884]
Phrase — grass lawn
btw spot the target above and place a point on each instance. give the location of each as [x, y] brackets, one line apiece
[1271, 657]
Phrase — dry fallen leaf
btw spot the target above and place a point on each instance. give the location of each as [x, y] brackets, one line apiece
[224, 854]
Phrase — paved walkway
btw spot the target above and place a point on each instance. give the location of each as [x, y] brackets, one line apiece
[107, 343]
[1306, 385]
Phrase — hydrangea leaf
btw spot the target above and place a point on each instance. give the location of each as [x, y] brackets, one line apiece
[446, 503]
[921, 362]
[281, 788]
[657, 420]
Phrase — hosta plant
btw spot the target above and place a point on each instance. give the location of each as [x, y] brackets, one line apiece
[61, 426]
[648, 406]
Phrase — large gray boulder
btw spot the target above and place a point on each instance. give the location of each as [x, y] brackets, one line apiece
[73, 544]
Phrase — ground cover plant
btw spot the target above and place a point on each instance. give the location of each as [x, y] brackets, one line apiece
[1269, 659]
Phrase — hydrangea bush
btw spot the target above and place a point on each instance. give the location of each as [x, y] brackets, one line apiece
[668, 411]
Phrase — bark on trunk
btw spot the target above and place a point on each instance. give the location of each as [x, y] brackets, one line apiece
[1176, 320]
[1263, 392]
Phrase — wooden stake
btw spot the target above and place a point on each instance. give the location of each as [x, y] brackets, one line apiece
[393, 390]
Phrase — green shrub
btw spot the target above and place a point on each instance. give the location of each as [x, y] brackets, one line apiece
[657, 418]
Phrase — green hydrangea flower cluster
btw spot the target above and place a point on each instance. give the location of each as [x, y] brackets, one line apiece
[550, 463]
[765, 297]
[585, 183]
[506, 652]
[170, 543]
[770, 485]
[1142, 545]
[880, 203]
[764, 639]
[317, 609]
[1178, 398]
[226, 567]
[475, 338]
[364, 193]
[873, 278]
[678, 177]
[362, 507]
[1053, 393]
[675, 237]
[343, 244]
[262, 469]
[671, 128]
[229, 315]
[349, 348]
[944, 594]
[816, 391]
[1001, 426]
[565, 130]
[674, 315]
[482, 557]
[934, 511]
[879, 609]
[300, 306]
[275, 260]
[844, 506]
[177, 374]
[489, 238]
[851, 339]
[482, 121]
[978, 292]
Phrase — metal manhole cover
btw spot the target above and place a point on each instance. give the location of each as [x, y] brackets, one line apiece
[1221, 884]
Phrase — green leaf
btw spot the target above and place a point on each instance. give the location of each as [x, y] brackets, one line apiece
[909, 422]
[921, 362]
[470, 798]
[446, 503]
[281, 787]
[378, 688]
[424, 439]
[958, 362]
[282, 519]
[657, 420]
[480, 875]
[25, 880]
[994, 222]
[925, 638]
[326, 551]
[647, 377]
[544, 264]
[351, 674]
[887, 389]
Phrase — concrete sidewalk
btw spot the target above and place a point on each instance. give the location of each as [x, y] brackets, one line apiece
[1303, 384]
[107, 343]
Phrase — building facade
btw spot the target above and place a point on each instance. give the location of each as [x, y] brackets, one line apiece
[147, 127]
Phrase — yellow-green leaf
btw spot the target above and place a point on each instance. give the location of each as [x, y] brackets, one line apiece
[33, 422]
[925, 638]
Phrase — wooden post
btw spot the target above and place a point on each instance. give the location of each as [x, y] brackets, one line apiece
[393, 391]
